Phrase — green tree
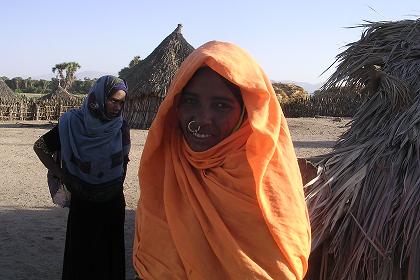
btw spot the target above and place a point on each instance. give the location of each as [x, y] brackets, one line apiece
[125, 72]
[16, 83]
[66, 73]
[82, 87]
[60, 68]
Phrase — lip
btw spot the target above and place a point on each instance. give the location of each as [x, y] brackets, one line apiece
[201, 135]
[201, 141]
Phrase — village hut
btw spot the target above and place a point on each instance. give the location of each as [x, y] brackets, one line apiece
[55, 104]
[149, 80]
[289, 91]
[364, 204]
[294, 99]
[60, 95]
[6, 94]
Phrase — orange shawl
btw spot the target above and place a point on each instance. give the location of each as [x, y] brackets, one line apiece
[235, 211]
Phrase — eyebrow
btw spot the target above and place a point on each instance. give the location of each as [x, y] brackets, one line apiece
[231, 99]
[183, 93]
[116, 99]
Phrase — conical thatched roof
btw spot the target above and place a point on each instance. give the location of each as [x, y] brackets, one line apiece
[149, 80]
[60, 94]
[154, 74]
[6, 94]
[364, 206]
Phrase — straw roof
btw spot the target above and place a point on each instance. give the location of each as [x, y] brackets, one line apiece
[365, 204]
[153, 75]
[288, 91]
[6, 94]
[60, 94]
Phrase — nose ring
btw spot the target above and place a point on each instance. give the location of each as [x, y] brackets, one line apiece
[193, 127]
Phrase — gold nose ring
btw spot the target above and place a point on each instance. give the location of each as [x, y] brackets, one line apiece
[193, 127]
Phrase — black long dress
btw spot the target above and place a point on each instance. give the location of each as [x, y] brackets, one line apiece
[94, 246]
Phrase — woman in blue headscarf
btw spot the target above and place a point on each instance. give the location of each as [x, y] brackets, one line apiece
[93, 143]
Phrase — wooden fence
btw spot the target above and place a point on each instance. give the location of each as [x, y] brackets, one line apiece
[30, 110]
[136, 114]
[333, 106]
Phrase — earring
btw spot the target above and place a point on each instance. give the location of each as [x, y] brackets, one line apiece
[193, 127]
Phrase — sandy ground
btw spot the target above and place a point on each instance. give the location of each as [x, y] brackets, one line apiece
[32, 229]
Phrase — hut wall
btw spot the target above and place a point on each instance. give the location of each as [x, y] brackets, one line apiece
[334, 106]
[140, 112]
[30, 110]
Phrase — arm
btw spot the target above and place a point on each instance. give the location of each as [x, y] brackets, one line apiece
[45, 147]
[46, 157]
[126, 142]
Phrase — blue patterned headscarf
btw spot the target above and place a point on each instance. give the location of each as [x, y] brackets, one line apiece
[91, 142]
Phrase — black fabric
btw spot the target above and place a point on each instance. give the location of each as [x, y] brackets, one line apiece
[94, 193]
[95, 240]
[52, 139]
[125, 131]
[94, 246]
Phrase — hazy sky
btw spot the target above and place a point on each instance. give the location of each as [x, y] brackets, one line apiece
[292, 40]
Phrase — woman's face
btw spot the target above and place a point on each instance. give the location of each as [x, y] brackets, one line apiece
[208, 101]
[115, 103]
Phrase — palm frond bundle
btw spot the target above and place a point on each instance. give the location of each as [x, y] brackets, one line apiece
[60, 95]
[149, 80]
[365, 202]
[6, 94]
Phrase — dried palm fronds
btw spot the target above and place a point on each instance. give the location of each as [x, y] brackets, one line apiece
[60, 95]
[149, 80]
[6, 94]
[365, 203]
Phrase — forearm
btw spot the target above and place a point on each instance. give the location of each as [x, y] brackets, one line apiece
[47, 159]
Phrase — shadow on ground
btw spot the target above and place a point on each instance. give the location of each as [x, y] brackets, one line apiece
[27, 125]
[32, 242]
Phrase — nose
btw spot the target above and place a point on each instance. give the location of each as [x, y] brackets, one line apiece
[204, 117]
[117, 107]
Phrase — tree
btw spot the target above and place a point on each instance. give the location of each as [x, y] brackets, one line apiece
[59, 68]
[71, 69]
[82, 87]
[17, 83]
[66, 73]
[125, 72]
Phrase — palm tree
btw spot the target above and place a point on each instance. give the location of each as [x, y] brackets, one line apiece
[65, 73]
[71, 69]
[60, 72]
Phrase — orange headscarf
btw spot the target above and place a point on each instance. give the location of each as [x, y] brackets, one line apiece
[235, 211]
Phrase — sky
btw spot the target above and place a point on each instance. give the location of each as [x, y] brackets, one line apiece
[292, 40]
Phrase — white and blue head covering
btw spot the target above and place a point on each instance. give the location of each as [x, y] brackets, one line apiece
[91, 142]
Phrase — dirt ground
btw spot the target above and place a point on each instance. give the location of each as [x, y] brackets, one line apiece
[32, 231]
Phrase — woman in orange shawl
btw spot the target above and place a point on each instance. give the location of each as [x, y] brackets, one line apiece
[221, 192]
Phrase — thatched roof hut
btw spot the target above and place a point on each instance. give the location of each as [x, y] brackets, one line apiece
[60, 95]
[6, 94]
[288, 91]
[365, 204]
[150, 79]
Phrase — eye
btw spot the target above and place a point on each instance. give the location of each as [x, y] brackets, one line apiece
[223, 106]
[114, 101]
[188, 100]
